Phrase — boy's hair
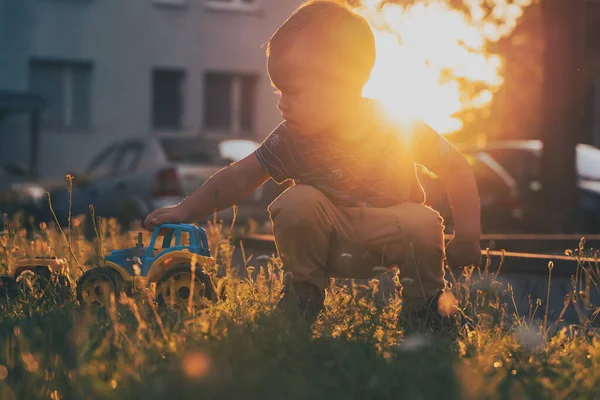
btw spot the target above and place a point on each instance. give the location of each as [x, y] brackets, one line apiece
[345, 35]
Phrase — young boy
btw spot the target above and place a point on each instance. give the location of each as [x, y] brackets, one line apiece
[356, 202]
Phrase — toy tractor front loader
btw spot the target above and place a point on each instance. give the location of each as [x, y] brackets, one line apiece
[37, 277]
[178, 269]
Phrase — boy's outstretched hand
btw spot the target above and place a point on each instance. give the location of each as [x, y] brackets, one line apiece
[462, 251]
[174, 214]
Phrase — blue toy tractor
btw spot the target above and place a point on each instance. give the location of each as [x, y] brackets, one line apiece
[178, 268]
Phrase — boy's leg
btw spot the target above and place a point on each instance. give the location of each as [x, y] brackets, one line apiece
[408, 235]
[303, 221]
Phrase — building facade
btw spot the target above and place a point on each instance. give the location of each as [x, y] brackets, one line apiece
[121, 68]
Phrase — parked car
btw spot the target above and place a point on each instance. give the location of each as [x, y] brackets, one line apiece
[130, 178]
[499, 195]
[19, 193]
[522, 159]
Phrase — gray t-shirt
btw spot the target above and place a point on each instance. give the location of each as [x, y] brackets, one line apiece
[376, 171]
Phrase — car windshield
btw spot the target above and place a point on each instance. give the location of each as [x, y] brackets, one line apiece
[523, 165]
[204, 151]
[489, 180]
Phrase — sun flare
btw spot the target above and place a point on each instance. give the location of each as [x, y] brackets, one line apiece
[433, 60]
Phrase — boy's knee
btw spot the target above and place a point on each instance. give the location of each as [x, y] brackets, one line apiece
[297, 205]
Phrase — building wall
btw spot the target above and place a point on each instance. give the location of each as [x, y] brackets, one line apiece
[123, 41]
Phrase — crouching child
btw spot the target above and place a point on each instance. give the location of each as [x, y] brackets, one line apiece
[356, 201]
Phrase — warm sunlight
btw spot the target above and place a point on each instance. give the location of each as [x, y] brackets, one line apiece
[432, 60]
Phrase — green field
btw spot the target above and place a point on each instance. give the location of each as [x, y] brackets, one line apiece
[238, 348]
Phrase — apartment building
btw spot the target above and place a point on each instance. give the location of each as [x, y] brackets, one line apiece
[76, 75]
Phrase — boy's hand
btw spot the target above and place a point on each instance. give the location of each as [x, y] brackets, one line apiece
[176, 214]
[462, 251]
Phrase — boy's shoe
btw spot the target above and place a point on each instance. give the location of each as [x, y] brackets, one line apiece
[303, 300]
[429, 318]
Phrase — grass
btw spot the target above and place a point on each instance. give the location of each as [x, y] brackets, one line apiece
[238, 348]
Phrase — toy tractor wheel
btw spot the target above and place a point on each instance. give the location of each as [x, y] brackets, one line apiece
[38, 282]
[6, 287]
[176, 288]
[95, 286]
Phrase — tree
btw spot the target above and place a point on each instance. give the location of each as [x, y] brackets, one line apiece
[561, 128]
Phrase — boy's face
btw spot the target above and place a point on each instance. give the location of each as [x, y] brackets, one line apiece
[313, 97]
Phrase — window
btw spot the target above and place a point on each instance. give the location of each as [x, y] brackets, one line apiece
[66, 87]
[183, 239]
[104, 163]
[131, 153]
[190, 150]
[521, 164]
[492, 180]
[230, 103]
[167, 98]
[592, 26]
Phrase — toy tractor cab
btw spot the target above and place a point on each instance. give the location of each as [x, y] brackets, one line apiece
[178, 268]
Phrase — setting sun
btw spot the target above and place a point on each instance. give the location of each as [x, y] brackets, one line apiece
[432, 60]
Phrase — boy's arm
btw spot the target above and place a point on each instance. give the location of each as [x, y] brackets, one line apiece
[450, 165]
[458, 179]
[233, 183]
[225, 188]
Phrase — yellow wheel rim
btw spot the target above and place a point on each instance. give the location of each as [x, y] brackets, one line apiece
[96, 290]
[179, 291]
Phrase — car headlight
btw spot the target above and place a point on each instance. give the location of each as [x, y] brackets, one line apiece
[29, 191]
[35, 192]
